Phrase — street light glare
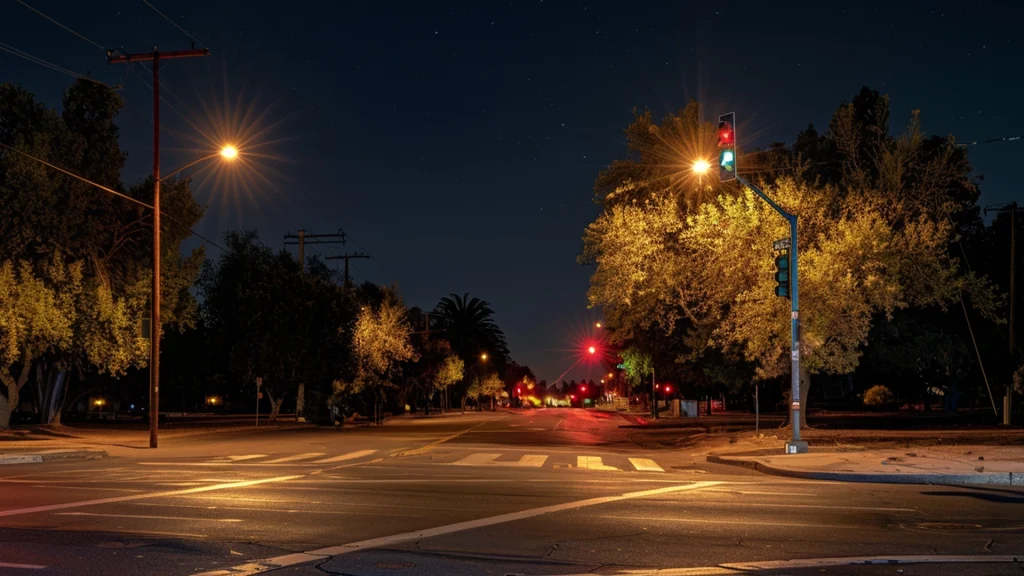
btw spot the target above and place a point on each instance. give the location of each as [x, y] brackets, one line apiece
[229, 152]
[701, 167]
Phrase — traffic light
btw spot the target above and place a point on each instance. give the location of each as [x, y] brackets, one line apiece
[583, 388]
[782, 275]
[592, 350]
[727, 146]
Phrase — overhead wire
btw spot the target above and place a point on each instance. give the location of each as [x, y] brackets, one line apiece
[187, 33]
[55, 67]
[115, 193]
[96, 44]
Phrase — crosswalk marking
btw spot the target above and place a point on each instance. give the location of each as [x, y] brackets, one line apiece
[489, 459]
[294, 457]
[478, 459]
[645, 465]
[343, 457]
[592, 463]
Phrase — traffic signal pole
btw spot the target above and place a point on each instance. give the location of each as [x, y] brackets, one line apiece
[795, 445]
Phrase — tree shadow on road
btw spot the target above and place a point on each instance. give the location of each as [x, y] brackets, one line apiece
[998, 495]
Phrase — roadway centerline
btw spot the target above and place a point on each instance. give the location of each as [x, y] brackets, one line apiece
[331, 551]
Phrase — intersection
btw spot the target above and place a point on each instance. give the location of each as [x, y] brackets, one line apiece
[557, 491]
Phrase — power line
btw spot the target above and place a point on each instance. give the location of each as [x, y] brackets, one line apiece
[56, 68]
[116, 193]
[172, 22]
[61, 25]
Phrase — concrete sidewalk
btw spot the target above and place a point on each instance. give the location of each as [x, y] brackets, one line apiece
[951, 465]
[36, 456]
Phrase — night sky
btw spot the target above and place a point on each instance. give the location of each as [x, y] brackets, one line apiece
[458, 142]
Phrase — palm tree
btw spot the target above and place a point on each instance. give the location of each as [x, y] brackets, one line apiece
[469, 325]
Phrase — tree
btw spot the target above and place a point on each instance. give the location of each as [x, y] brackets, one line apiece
[54, 311]
[381, 342]
[450, 372]
[44, 212]
[490, 386]
[866, 251]
[266, 318]
[469, 326]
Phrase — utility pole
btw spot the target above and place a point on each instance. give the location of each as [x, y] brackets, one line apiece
[346, 258]
[154, 331]
[1008, 398]
[301, 239]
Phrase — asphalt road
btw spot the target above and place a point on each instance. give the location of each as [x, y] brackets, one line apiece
[547, 492]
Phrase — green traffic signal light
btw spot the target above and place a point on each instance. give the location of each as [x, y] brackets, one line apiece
[727, 145]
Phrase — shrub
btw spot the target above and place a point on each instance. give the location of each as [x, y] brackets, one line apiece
[877, 396]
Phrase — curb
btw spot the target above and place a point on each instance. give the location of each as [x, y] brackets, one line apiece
[992, 478]
[40, 457]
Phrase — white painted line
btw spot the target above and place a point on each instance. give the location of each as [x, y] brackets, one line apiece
[428, 447]
[244, 457]
[128, 498]
[140, 517]
[294, 457]
[593, 463]
[22, 566]
[489, 459]
[645, 465]
[343, 457]
[478, 459]
[322, 553]
[531, 461]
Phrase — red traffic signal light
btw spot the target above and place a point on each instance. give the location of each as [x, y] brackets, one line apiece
[727, 146]
[519, 391]
[583, 388]
[668, 389]
[726, 135]
[592, 350]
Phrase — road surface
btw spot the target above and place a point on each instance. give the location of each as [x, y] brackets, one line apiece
[546, 492]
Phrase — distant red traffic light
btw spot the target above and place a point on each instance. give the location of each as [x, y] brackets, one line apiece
[592, 350]
[583, 388]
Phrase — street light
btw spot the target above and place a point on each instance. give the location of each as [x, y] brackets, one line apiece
[701, 167]
[483, 357]
[597, 325]
[230, 153]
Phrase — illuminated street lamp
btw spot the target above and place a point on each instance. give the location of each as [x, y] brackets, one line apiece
[483, 357]
[229, 153]
[597, 325]
[701, 167]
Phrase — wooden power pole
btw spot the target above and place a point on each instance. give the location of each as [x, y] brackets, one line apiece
[301, 239]
[346, 258]
[154, 331]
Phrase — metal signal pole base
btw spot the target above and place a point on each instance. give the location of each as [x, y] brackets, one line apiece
[796, 447]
